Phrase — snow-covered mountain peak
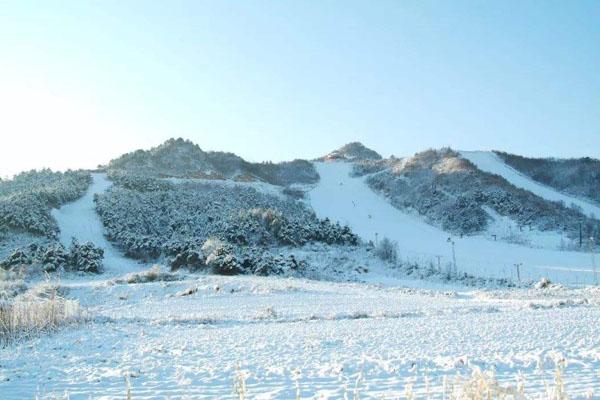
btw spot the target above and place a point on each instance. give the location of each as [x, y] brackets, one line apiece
[354, 151]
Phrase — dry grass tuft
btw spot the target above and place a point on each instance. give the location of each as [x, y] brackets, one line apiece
[481, 386]
[154, 274]
[23, 317]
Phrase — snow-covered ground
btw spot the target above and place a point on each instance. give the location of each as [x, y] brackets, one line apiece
[319, 336]
[490, 162]
[349, 200]
[79, 220]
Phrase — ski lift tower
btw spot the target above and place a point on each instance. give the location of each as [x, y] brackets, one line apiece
[452, 243]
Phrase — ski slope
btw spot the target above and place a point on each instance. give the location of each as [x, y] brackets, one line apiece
[79, 220]
[350, 201]
[489, 162]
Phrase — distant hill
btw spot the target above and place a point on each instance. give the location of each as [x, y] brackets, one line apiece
[181, 158]
[354, 151]
[576, 176]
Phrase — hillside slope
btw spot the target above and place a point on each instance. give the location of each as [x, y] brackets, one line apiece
[351, 201]
[492, 163]
[577, 176]
[450, 192]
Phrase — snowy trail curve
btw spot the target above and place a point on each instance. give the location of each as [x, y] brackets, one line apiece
[79, 220]
[490, 162]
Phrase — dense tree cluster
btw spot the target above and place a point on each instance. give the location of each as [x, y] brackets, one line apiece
[577, 176]
[53, 256]
[183, 159]
[139, 182]
[223, 258]
[176, 221]
[26, 200]
[366, 167]
[452, 193]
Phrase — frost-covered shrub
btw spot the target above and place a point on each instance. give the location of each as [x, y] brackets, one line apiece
[26, 200]
[179, 220]
[18, 258]
[220, 258]
[264, 263]
[54, 256]
[387, 250]
[85, 257]
[189, 258]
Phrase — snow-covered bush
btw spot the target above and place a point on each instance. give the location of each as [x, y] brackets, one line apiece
[189, 258]
[542, 283]
[26, 200]
[387, 250]
[54, 256]
[85, 257]
[263, 262]
[220, 258]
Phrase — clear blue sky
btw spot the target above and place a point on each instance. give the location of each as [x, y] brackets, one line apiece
[286, 79]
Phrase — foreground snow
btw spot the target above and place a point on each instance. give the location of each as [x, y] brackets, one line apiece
[319, 336]
[349, 200]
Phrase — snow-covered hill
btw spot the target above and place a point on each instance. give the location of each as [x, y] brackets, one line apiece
[349, 200]
[489, 162]
[183, 159]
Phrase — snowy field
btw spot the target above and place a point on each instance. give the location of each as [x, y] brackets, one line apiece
[377, 338]
[317, 335]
